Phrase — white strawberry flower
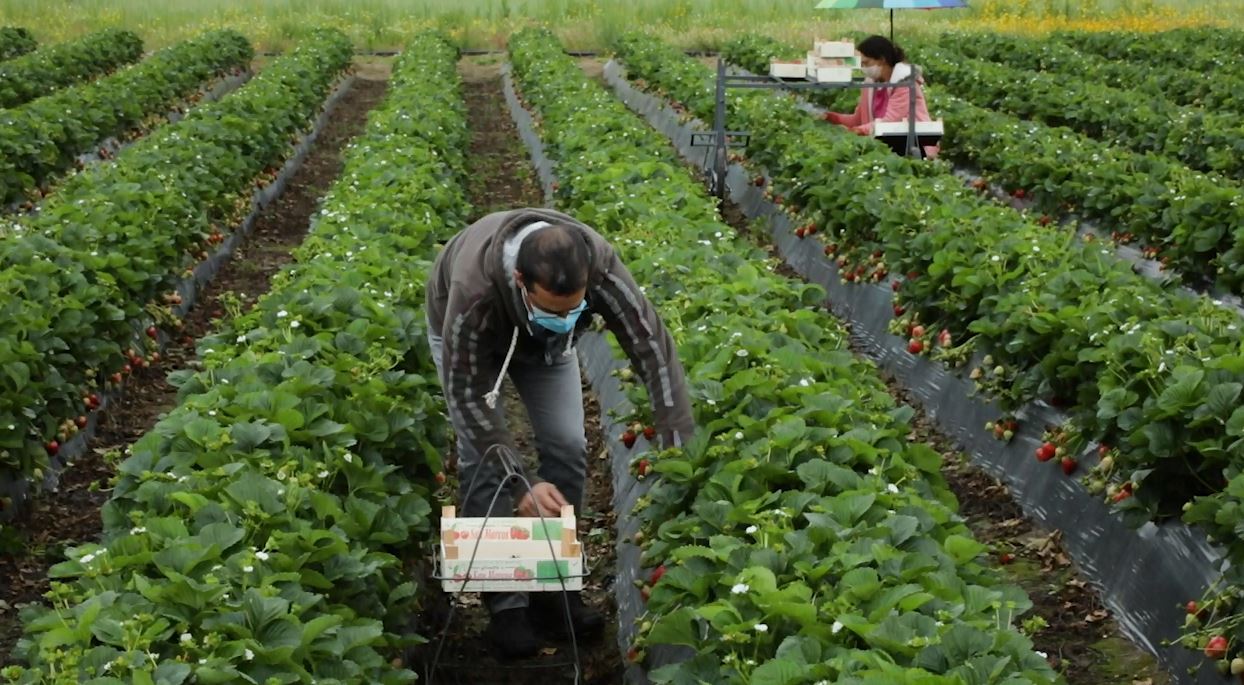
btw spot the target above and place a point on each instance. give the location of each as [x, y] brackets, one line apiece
[836, 628]
[248, 568]
[241, 338]
[138, 530]
[282, 314]
[738, 435]
[261, 555]
[741, 353]
[186, 637]
[739, 589]
[762, 628]
[248, 654]
[87, 558]
[752, 529]
[323, 474]
[892, 488]
[294, 324]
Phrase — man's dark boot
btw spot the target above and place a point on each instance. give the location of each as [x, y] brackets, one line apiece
[548, 611]
[510, 633]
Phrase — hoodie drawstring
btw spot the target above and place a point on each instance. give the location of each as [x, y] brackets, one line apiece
[491, 397]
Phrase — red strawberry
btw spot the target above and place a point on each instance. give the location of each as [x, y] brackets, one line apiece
[800, 232]
[1192, 606]
[896, 285]
[1103, 450]
[152, 331]
[1069, 465]
[656, 574]
[943, 338]
[127, 369]
[642, 467]
[829, 249]
[117, 378]
[1120, 496]
[650, 432]
[911, 275]
[811, 229]
[1046, 452]
[1018, 193]
[81, 422]
[632, 655]
[915, 346]
[1006, 558]
[1044, 220]
[899, 309]
[628, 438]
[850, 276]
[52, 447]
[440, 478]
[917, 331]
[1216, 648]
[758, 181]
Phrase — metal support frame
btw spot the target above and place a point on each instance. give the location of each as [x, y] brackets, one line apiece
[722, 140]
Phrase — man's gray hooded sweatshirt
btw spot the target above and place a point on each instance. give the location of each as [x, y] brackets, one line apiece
[477, 307]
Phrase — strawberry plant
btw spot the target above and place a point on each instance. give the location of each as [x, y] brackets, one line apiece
[43, 138]
[1154, 374]
[1203, 139]
[56, 66]
[260, 533]
[77, 278]
[757, 527]
[15, 41]
[1184, 215]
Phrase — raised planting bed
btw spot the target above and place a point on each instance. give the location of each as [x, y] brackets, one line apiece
[122, 249]
[799, 537]
[1146, 574]
[53, 67]
[1161, 214]
[260, 533]
[45, 137]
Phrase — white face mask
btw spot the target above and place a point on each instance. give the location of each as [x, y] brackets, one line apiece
[873, 72]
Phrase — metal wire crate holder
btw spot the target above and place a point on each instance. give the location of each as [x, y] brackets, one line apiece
[562, 579]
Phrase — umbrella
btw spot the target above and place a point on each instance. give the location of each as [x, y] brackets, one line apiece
[890, 5]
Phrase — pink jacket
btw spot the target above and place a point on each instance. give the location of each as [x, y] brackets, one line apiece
[893, 103]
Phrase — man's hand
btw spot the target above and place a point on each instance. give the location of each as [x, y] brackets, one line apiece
[548, 497]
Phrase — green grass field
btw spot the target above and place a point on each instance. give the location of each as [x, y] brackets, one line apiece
[583, 24]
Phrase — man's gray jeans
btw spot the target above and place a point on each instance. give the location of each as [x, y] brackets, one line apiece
[553, 397]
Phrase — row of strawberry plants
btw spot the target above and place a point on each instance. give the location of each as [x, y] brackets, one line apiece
[77, 279]
[1156, 79]
[259, 533]
[758, 524]
[1207, 51]
[56, 66]
[15, 41]
[1151, 377]
[44, 137]
[1182, 217]
[1203, 139]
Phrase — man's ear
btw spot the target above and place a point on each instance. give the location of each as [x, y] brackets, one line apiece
[518, 276]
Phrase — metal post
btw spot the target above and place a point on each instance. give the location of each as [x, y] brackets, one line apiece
[913, 148]
[719, 130]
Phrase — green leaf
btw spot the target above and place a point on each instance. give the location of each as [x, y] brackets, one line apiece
[778, 672]
[675, 628]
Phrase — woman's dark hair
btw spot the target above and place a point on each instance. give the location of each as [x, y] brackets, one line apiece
[880, 47]
[556, 258]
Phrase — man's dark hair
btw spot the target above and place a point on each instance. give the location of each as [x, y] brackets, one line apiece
[556, 258]
[880, 47]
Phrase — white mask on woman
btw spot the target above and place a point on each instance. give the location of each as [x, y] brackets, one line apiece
[872, 72]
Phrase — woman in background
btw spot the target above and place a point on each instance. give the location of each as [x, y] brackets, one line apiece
[883, 61]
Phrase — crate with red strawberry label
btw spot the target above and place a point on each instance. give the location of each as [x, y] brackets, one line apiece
[510, 554]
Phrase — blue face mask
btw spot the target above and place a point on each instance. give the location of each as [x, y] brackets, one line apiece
[552, 322]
